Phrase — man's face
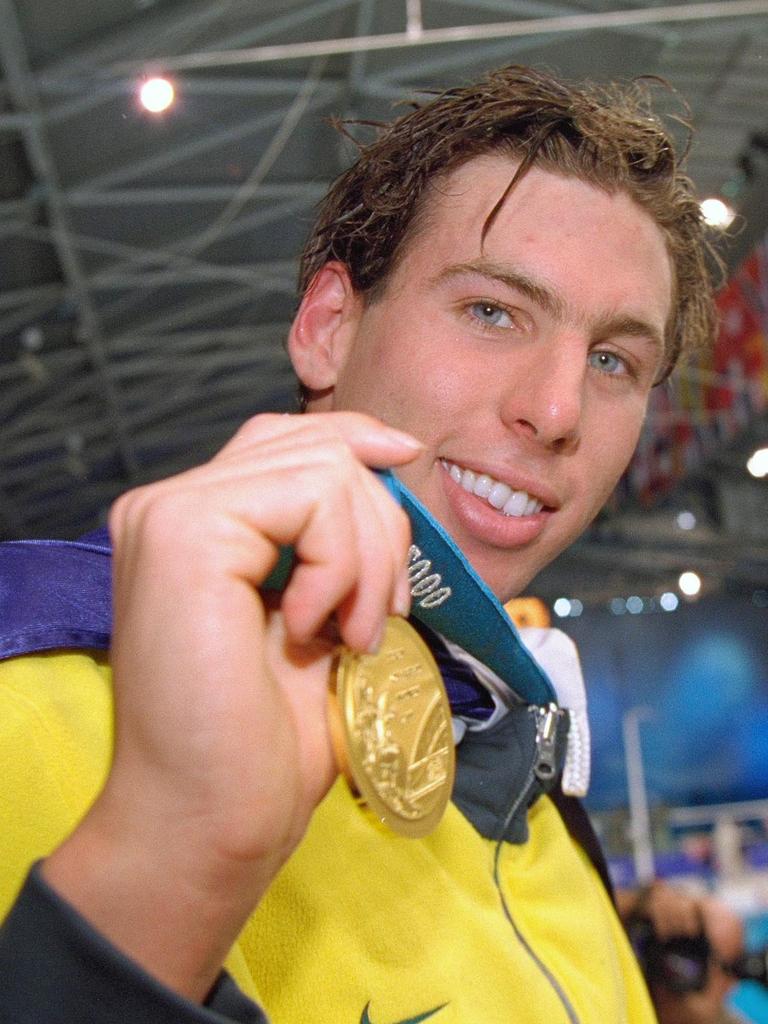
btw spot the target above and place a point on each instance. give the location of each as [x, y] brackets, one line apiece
[523, 365]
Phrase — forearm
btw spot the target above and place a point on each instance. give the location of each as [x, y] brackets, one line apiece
[158, 892]
[55, 967]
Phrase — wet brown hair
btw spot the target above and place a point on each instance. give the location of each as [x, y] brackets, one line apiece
[606, 135]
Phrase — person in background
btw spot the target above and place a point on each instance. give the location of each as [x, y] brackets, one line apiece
[674, 914]
[488, 296]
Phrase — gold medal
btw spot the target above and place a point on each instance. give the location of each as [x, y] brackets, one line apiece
[391, 726]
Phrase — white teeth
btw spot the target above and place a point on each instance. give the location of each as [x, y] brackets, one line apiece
[516, 503]
[497, 494]
[483, 486]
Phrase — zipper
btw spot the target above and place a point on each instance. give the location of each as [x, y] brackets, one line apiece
[547, 717]
[543, 768]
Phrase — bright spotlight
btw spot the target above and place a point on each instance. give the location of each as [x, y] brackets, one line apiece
[562, 607]
[716, 213]
[689, 583]
[156, 95]
[758, 463]
[669, 601]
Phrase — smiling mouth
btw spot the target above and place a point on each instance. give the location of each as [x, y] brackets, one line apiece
[495, 493]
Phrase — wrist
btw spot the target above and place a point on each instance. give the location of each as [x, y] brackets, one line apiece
[143, 888]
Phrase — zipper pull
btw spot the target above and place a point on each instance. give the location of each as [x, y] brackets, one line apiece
[545, 764]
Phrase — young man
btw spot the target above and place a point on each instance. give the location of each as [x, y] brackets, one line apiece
[488, 297]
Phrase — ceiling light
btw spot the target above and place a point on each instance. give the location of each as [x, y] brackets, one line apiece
[634, 604]
[716, 213]
[669, 601]
[689, 583]
[758, 463]
[686, 520]
[562, 607]
[32, 338]
[156, 95]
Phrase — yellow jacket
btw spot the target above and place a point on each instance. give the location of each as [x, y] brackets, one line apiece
[361, 925]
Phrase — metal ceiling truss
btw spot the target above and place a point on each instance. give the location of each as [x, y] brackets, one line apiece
[21, 88]
[228, 222]
[421, 37]
[158, 32]
[163, 327]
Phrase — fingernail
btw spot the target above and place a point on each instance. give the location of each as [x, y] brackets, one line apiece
[375, 644]
[401, 602]
[405, 440]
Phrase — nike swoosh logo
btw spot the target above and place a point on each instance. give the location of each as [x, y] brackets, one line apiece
[365, 1019]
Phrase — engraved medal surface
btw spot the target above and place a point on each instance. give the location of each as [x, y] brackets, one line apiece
[396, 740]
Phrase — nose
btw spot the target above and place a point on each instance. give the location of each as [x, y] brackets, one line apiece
[544, 400]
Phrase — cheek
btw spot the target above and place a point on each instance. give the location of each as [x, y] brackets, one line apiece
[454, 373]
[618, 444]
[415, 378]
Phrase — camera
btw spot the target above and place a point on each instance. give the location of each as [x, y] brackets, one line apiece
[681, 964]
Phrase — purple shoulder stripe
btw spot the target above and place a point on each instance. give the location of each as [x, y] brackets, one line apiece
[55, 593]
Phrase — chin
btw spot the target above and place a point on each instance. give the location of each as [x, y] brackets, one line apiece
[505, 588]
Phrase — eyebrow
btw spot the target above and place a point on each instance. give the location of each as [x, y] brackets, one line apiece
[550, 301]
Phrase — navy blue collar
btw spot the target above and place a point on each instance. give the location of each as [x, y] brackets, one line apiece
[55, 593]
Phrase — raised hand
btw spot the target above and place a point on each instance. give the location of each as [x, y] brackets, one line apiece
[222, 746]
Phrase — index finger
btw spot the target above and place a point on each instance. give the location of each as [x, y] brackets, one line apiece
[375, 443]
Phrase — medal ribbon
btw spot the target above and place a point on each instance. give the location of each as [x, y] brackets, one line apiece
[460, 606]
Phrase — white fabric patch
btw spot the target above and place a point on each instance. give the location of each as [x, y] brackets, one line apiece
[558, 656]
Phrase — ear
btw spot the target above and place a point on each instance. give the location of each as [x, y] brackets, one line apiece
[324, 327]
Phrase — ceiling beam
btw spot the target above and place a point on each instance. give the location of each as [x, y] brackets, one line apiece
[134, 257]
[21, 88]
[154, 31]
[310, 191]
[279, 275]
[37, 294]
[190, 313]
[212, 140]
[565, 23]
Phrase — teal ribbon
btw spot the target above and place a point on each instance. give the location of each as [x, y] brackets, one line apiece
[449, 597]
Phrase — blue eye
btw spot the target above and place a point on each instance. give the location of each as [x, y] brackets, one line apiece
[490, 314]
[607, 362]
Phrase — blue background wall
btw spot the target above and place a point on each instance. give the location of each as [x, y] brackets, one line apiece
[703, 671]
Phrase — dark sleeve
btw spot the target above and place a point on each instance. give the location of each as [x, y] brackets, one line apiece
[55, 968]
